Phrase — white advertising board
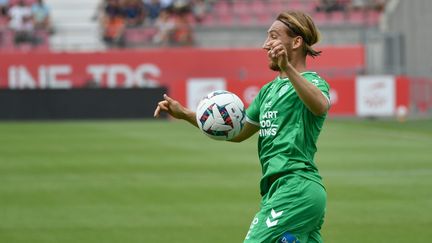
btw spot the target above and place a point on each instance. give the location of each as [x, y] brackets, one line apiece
[375, 95]
[197, 88]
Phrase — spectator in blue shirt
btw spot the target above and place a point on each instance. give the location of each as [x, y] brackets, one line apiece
[134, 12]
[4, 7]
[41, 16]
[153, 8]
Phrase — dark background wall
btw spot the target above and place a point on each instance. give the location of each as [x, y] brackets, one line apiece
[79, 103]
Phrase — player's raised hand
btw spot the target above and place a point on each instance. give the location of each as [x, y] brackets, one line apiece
[170, 106]
[175, 109]
[277, 51]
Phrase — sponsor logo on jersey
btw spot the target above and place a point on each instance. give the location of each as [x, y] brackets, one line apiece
[267, 126]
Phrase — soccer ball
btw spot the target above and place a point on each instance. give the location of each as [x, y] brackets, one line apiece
[220, 115]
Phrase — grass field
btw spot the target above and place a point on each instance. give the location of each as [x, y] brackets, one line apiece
[147, 181]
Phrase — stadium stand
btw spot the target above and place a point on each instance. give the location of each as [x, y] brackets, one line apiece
[184, 22]
[75, 26]
[238, 15]
[24, 26]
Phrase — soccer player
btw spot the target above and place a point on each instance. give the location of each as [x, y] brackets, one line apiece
[289, 113]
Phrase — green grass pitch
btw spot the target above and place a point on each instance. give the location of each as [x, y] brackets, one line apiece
[159, 181]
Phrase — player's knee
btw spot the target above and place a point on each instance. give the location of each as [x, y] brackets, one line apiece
[287, 237]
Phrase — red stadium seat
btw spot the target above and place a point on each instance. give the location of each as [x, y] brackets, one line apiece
[15, 2]
[257, 7]
[320, 18]
[373, 18]
[337, 18]
[276, 6]
[225, 19]
[139, 36]
[358, 17]
[264, 19]
[209, 20]
[245, 19]
[241, 7]
[221, 7]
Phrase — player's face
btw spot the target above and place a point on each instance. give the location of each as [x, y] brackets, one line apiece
[277, 31]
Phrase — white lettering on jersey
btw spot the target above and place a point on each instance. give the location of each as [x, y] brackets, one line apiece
[267, 126]
[254, 222]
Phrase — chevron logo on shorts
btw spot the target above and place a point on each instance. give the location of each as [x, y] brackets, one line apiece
[272, 220]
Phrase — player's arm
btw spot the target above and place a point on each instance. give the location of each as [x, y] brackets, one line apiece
[311, 95]
[248, 130]
[175, 109]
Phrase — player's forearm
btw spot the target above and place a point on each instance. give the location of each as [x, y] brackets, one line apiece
[189, 116]
[311, 96]
[248, 130]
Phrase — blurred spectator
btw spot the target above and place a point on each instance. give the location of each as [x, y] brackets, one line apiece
[4, 5]
[113, 8]
[182, 31]
[41, 16]
[182, 35]
[134, 12]
[99, 11]
[359, 4]
[173, 29]
[165, 25]
[377, 5]
[166, 3]
[199, 10]
[113, 24]
[329, 6]
[21, 22]
[153, 8]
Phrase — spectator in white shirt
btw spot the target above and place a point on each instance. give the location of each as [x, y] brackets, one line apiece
[21, 22]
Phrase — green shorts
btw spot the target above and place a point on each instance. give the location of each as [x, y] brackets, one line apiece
[291, 212]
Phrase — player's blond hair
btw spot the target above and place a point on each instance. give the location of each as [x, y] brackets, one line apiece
[301, 24]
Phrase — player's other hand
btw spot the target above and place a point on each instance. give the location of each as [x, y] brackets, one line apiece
[170, 106]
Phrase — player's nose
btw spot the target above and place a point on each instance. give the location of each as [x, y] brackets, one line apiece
[266, 46]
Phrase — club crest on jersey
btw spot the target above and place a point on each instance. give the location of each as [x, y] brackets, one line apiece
[268, 104]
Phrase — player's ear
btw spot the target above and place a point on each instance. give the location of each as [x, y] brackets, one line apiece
[297, 42]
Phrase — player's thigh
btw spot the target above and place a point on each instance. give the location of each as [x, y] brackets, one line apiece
[305, 207]
[305, 225]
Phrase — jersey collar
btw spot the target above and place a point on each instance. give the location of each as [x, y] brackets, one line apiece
[303, 73]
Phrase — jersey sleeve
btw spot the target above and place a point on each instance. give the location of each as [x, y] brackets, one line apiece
[253, 111]
[321, 84]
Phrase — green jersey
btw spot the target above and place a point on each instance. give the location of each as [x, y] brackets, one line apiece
[288, 130]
